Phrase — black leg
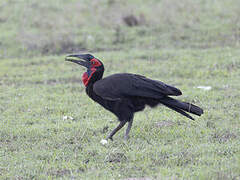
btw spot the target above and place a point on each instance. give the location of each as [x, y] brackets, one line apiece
[121, 124]
[128, 129]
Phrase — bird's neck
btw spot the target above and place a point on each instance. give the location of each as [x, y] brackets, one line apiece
[91, 93]
[91, 76]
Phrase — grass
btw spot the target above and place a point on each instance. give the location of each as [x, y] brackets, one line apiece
[183, 43]
[35, 141]
[30, 28]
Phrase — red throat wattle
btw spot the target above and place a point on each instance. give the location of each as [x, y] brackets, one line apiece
[86, 78]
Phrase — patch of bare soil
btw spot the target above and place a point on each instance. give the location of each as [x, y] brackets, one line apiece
[164, 124]
[116, 157]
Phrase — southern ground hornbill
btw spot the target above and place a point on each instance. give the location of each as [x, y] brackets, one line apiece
[124, 94]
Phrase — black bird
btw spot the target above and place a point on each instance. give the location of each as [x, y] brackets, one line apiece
[124, 94]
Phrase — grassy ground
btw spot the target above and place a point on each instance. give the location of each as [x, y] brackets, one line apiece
[30, 28]
[35, 141]
[183, 43]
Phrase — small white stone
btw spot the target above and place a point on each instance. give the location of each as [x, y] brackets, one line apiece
[70, 117]
[103, 141]
[65, 117]
[205, 88]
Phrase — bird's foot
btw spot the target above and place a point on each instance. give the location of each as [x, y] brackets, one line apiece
[109, 138]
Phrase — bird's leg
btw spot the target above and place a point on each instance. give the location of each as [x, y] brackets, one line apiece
[128, 129]
[121, 124]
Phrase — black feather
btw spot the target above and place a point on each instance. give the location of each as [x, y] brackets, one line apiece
[124, 94]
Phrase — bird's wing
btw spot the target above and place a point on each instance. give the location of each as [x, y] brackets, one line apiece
[118, 86]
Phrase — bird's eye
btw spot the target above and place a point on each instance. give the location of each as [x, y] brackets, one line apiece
[93, 62]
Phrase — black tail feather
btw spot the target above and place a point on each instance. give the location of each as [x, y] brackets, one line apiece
[182, 106]
[180, 111]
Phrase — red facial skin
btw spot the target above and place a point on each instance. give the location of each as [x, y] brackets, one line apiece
[85, 77]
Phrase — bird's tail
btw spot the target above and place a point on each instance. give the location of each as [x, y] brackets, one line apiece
[182, 107]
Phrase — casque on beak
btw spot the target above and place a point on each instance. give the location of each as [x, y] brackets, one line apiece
[75, 59]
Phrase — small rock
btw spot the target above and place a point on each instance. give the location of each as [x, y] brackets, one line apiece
[205, 88]
[131, 20]
[103, 141]
[68, 117]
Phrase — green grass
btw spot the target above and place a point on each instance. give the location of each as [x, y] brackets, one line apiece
[30, 28]
[35, 141]
[183, 43]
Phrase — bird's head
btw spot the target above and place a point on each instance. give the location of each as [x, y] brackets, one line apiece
[94, 66]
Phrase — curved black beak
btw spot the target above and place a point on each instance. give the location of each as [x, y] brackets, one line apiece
[75, 59]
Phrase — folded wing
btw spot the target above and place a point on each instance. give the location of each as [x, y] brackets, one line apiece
[118, 86]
